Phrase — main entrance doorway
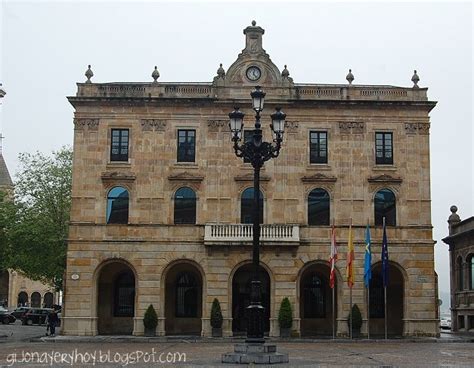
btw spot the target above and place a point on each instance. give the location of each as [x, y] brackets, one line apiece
[241, 297]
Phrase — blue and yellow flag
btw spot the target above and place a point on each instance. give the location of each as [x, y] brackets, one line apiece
[368, 258]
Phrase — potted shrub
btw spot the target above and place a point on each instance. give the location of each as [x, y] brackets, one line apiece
[216, 318]
[285, 318]
[150, 320]
[356, 321]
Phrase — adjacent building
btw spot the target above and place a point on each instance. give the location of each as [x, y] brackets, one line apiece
[15, 289]
[161, 206]
[461, 261]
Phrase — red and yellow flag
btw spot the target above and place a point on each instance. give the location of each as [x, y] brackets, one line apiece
[350, 260]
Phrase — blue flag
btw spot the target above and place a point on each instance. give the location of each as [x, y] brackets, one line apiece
[384, 256]
[368, 258]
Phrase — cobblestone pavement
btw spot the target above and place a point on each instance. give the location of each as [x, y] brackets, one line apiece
[208, 354]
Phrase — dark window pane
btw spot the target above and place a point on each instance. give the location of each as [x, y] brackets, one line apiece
[383, 148]
[187, 293]
[460, 273]
[124, 290]
[117, 206]
[318, 148]
[247, 206]
[185, 206]
[318, 207]
[314, 296]
[248, 136]
[385, 206]
[186, 145]
[471, 273]
[119, 145]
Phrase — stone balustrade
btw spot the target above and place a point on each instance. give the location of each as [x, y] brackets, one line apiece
[282, 233]
[332, 92]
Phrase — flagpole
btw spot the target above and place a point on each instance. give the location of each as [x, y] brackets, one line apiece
[385, 295]
[333, 296]
[350, 287]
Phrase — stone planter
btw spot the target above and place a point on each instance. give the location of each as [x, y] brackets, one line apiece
[217, 332]
[150, 332]
[285, 332]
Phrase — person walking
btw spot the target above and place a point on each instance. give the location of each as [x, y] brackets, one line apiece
[53, 321]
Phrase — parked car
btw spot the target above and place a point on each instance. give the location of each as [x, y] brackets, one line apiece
[36, 316]
[20, 311]
[445, 323]
[6, 317]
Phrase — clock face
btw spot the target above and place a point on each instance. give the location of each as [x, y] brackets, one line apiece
[253, 73]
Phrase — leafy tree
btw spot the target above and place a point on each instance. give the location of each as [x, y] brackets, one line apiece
[36, 226]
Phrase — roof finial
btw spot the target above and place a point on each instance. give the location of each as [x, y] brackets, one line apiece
[254, 23]
[415, 79]
[285, 73]
[89, 74]
[221, 71]
[155, 75]
[350, 76]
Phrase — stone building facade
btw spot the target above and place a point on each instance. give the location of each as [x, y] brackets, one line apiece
[461, 258]
[16, 289]
[160, 203]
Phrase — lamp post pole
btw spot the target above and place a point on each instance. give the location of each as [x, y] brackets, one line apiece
[257, 153]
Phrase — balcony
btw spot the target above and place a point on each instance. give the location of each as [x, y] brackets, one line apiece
[241, 234]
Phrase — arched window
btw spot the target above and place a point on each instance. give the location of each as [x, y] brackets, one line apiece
[246, 206]
[22, 299]
[117, 206]
[314, 297]
[124, 295]
[185, 206]
[460, 274]
[470, 262]
[384, 205]
[186, 295]
[318, 207]
[48, 300]
[36, 299]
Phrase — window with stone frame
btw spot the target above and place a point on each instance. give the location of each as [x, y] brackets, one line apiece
[385, 206]
[318, 147]
[460, 273]
[119, 145]
[185, 206]
[470, 264]
[384, 148]
[186, 145]
[246, 206]
[117, 206]
[318, 207]
[248, 136]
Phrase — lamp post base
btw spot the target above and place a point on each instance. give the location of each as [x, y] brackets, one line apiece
[256, 354]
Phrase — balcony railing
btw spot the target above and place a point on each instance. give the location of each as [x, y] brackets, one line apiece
[239, 233]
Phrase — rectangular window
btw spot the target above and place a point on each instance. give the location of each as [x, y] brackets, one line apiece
[318, 147]
[186, 145]
[383, 148]
[119, 145]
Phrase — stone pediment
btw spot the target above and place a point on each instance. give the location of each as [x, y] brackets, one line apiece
[249, 177]
[253, 56]
[186, 177]
[118, 176]
[318, 178]
[384, 178]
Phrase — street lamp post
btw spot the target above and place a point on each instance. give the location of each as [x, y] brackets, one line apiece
[256, 152]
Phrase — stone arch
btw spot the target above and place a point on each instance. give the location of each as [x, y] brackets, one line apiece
[36, 299]
[22, 299]
[115, 286]
[318, 325]
[48, 300]
[241, 275]
[396, 300]
[183, 280]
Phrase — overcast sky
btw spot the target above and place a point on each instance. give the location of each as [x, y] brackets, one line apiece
[46, 46]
